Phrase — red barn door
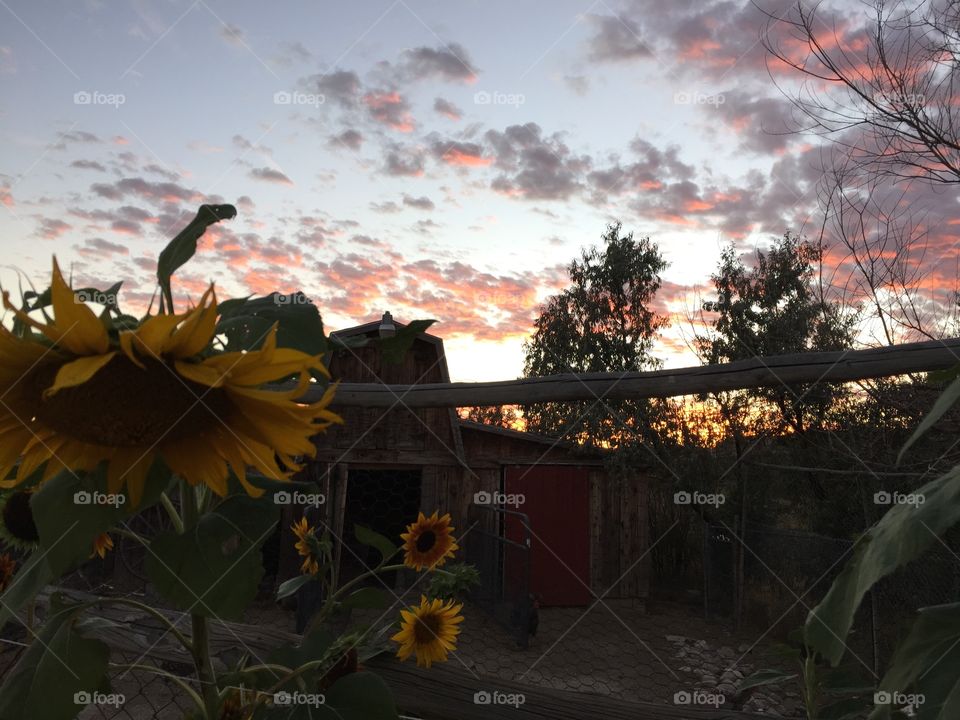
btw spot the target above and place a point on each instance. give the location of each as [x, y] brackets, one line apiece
[557, 501]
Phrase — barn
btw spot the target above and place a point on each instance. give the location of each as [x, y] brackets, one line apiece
[540, 518]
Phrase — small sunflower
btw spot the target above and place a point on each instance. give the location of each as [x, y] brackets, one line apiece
[306, 546]
[429, 630]
[17, 527]
[428, 542]
[102, 544]
[7, 568]
[74, 397]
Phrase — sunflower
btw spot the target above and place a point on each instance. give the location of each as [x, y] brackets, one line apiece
[429, 630]
[428, 542]
[74, 398]
[7, 567]
[306, 542]
[17, 527]
[102, 544]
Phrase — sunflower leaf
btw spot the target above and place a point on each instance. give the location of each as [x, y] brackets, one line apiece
[361, 696]
[179, 250]
[902, 535]
[372, 538]
[66, 538]
[246, 322]
[357, 696]
[368, 598]
[394, 348]
[58, 671]
[290, 587]
[214, 568]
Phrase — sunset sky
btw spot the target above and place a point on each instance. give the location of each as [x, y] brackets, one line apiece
[434, 159]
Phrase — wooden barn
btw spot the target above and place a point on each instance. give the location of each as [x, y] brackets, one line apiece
[585, 531]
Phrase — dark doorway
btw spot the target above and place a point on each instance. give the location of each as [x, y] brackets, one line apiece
[385, 500]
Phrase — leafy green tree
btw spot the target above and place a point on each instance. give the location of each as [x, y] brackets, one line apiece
[775, 307]
[603, 322]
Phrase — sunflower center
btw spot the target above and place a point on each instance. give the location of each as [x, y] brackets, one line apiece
[426, 541]
[124, 405]
[426, 630]
[18, 518]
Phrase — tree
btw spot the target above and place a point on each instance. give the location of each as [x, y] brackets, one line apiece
[885, 92]
[603, 322]
[501, 415]
[775, 307]
[885, 95]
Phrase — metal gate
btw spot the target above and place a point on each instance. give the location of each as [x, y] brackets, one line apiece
[504, 567]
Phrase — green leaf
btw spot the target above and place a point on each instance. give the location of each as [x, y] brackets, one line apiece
[314, 647]
[373, 539]
[946, 400]
[926, 663]
[361, 696]
[67, 527]
[394, 348]
[246, 322]
[179, 250]
[902, 535]
[357, 696]
[765, 677]
[368, 598]
[289, 587]
[60, 663]
[214, 567]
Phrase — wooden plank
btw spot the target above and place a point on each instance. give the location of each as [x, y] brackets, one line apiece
[444, 692]
[841, 366]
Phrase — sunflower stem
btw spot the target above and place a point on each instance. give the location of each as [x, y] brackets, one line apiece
[201, 631]
[172, 512]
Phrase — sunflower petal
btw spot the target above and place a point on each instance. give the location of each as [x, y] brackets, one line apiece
[81, 331]
[194, 334]
[78, 372]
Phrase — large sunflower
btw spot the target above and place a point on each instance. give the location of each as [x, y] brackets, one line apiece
[73, 397]
[428, 542]
[429, 630]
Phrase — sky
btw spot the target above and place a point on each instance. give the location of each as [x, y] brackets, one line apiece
[436, 159]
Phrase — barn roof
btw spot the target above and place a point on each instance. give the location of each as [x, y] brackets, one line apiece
[529, 437]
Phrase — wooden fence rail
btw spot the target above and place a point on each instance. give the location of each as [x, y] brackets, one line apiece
[775, 370]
